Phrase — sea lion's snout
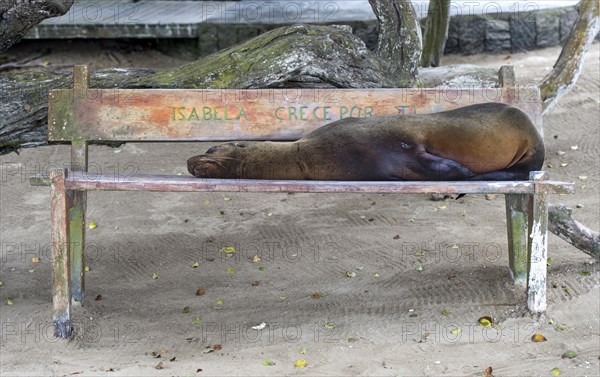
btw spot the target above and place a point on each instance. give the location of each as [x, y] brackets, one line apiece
[208, 166]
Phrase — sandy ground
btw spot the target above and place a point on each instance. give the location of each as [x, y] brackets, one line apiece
[397, 317]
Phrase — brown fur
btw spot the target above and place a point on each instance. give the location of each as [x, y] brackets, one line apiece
[492, 141]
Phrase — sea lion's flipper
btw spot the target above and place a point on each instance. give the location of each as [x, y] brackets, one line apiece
[438, 168]
[502, 175]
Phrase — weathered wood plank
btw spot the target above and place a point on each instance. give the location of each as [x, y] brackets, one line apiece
[151, 182]
[518, 223]
[536, 292]
[61, 269]
[77, 207]
[262, 114]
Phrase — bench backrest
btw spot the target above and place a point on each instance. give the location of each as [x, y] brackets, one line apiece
[80, 115]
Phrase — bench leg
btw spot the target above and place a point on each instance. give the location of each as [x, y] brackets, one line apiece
[77, 208]
[61, 269]
[519, 209]
[536, 293]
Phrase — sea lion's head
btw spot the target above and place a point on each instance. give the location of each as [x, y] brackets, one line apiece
[221, 161]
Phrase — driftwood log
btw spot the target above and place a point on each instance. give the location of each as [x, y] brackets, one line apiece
[294, 56]
[561, 223]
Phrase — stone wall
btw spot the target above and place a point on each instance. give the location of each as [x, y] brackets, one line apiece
[497, 33]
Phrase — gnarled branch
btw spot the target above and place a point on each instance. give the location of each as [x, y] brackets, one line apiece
[18, 16]
[570, 61]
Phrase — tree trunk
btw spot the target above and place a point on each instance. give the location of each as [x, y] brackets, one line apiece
[561, 223]
[399, 45]
[18, 16]
[436, 32]
[570, 61]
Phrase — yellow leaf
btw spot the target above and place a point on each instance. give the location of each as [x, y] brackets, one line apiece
[485, 321]
[300, 363]
[230, 270]
[35, 260]
[92, 225]
[555, 372]
[228, 250]
[219, 302]
[456, 331]
[255, 259]
[195, 265]
[537, 338]
[87, 269]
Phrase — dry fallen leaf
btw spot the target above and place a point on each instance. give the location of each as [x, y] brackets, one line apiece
[315, 296]
[485, 321]
[488, 372]
[98, 298]
[538, 338]
[300, 363]
[36, 260]
[159, 365]
[569, 355]
[228, 250]
[255, 283]
[255, 259]
[173, 358]
[200, 292]
[218, 347]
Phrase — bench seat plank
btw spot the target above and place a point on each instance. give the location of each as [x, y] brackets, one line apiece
[177, 183]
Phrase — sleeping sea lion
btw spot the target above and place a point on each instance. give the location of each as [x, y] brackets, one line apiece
[490, 141]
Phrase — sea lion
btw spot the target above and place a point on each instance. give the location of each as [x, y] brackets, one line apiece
[490, 141]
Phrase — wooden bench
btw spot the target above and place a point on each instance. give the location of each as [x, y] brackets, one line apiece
[82, 115]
